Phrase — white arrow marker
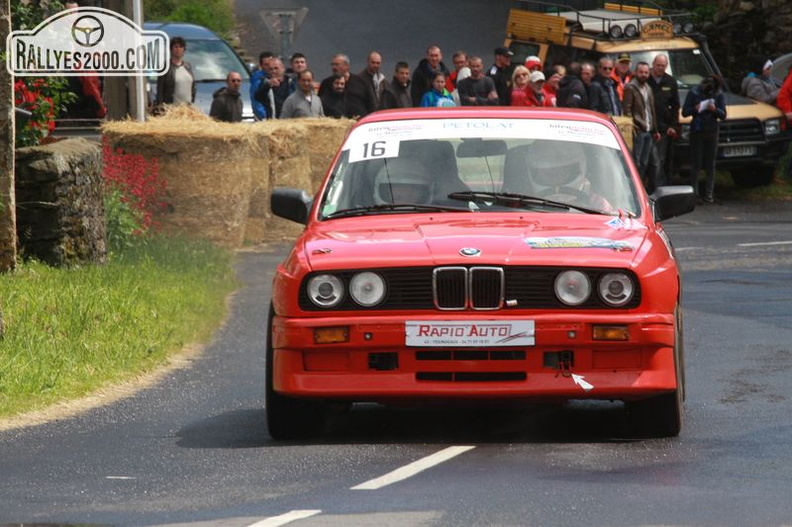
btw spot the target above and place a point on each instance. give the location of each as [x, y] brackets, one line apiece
[581, 382]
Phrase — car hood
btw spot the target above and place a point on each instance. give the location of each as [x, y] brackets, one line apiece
[448, 239]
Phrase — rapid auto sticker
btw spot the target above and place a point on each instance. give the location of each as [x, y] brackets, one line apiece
[577, 242]
[483, 333]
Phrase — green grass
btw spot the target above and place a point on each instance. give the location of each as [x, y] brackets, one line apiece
[69, 332]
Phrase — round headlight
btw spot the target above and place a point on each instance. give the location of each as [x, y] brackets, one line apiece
[367, 289]
[630, 31]
[616, 31]
[325, 290]
[572, 287]
[616, 289]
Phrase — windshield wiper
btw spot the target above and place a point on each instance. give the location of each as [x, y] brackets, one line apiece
[390, 207]
[510, 198]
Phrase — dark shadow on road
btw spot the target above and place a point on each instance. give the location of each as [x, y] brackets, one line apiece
[236, 429]
[576, 422]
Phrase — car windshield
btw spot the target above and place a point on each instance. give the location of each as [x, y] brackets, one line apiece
[480, 165]
[212, 60]
[687, 66]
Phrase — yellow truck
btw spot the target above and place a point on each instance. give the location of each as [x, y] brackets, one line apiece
[754, 135]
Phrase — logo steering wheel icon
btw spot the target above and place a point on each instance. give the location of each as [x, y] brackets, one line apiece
[87, 31]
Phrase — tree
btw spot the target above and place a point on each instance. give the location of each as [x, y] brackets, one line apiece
[7, 203]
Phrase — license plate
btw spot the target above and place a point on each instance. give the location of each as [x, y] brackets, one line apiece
[483, 333]
[739, 151]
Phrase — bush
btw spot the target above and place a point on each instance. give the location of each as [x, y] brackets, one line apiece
[45, 98]
[133, 192]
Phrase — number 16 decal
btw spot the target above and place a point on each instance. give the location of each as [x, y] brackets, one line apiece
[373, 150]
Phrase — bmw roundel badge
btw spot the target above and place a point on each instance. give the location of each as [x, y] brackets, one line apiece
[470, 251]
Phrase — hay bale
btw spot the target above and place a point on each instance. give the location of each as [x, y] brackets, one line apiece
[219, 175]
[626, 127]
[326, 136]
[208, 166]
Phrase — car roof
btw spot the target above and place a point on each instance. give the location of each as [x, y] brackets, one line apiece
[184, 30]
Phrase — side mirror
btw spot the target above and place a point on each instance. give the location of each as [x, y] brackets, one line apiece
[671, 201]
[291, 203]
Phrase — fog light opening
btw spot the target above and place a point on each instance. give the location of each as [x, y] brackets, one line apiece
[384, 361]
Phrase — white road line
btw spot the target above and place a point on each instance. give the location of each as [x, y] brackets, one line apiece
[283, 519]
[413, 468]
[758, 244]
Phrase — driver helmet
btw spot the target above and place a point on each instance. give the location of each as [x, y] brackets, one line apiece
[403, 180]
[557, 164]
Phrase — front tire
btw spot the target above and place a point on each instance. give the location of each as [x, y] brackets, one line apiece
[663, 415]
[287, 417]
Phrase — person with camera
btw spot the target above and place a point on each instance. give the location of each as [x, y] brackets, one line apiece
[706, 105]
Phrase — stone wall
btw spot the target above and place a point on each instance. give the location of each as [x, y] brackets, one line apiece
[60, 213]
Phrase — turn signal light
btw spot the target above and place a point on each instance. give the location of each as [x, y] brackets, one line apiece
[610, 333]
[332, 335]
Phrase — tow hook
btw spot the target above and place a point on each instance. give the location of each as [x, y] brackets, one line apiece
[562, 361]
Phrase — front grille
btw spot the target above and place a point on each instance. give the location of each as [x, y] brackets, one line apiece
[450, 376]
[467, 355]
[478, 288]
[467, 288]
[740, 131]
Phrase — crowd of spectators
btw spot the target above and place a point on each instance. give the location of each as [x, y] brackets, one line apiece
[646, 94]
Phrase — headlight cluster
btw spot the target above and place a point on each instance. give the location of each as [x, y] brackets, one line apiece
[772, 126]
[573, 288]
[327, 290]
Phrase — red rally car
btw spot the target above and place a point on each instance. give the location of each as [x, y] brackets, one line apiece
[469, 254]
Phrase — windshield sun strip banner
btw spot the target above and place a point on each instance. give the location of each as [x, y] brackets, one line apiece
[381, 140]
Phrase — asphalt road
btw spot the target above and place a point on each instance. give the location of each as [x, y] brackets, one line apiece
[193, 448]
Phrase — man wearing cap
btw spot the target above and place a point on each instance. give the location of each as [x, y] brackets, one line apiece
[759, 85]
[499, 73]
[533, 63]
[621, 73]
[536, 85]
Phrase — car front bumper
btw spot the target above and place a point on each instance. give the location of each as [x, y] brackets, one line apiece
[565, 362]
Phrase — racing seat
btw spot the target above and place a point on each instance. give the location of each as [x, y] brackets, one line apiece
[516, 170]
[440, 160]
